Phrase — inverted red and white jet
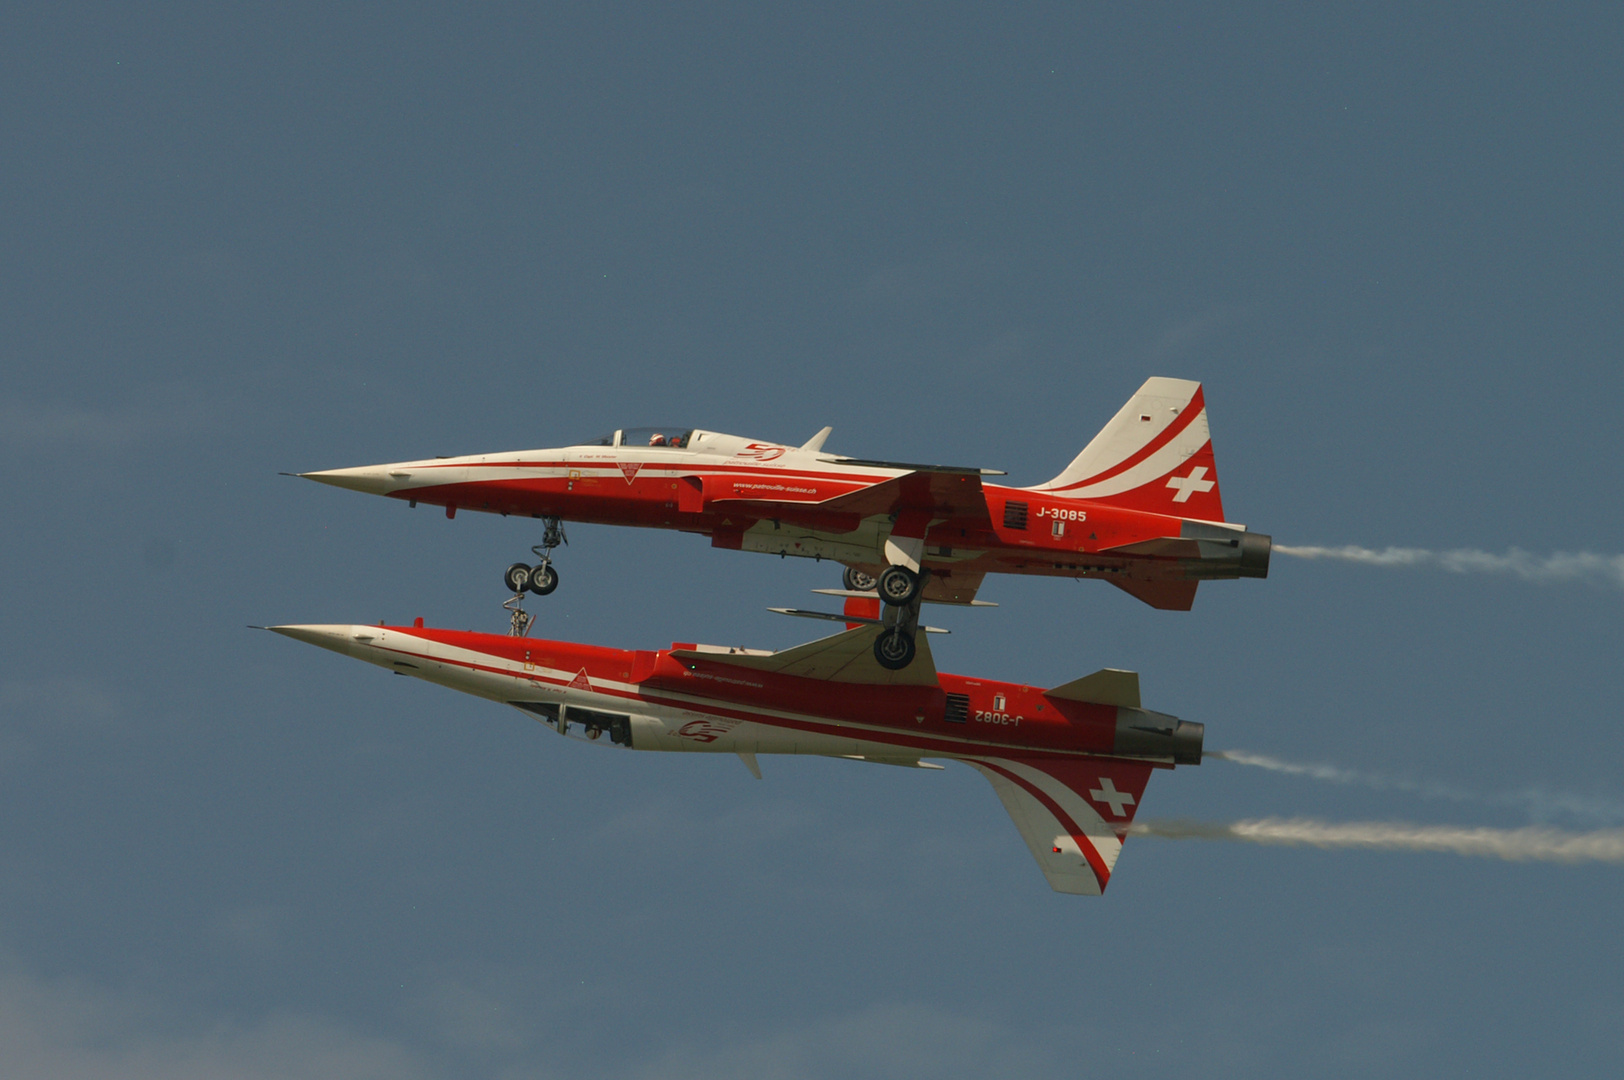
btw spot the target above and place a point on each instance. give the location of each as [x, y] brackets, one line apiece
[1139, 507]
[1070, 763]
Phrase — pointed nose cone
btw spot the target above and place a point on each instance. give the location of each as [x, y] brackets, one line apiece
[335, 637]
[372, 479]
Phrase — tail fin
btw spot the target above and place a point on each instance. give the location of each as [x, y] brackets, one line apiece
[1155, 455]
[1073, 814]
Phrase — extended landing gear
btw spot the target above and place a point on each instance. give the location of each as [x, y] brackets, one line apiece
[898, 586]
[519, 624]
[857, 581]
[900, 591]
[894, 649]
[541, 578]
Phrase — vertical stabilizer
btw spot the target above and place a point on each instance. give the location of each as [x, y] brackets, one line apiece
[1154, 455]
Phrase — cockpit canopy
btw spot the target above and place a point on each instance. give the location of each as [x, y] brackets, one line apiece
[675, 438]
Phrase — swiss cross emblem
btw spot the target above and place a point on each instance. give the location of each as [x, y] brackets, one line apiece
[1185, 486]
[629, 468]
[1110, 796]
[580, 681]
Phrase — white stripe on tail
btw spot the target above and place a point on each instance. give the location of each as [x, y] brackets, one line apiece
[1155, 455]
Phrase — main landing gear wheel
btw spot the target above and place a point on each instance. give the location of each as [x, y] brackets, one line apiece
[543, 579]
[898, 586]
[857, 581]
[894, 649]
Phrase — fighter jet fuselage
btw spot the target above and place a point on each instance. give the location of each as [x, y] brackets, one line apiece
[1140, 507]
[1070, 763]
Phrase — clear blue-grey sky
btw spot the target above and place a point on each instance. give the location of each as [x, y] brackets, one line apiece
[239, 240]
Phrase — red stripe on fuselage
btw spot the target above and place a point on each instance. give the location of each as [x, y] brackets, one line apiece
[687, 468]
[603, 663]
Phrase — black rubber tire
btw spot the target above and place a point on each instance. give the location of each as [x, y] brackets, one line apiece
[543, 579]
[898, 586]
[517, 578]
[857, 581]
[894, 649]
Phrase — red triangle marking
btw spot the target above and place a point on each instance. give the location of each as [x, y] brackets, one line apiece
[580, 681]
[630, 469]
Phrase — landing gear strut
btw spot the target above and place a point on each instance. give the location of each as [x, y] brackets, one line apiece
[519, 624]
[541, 578]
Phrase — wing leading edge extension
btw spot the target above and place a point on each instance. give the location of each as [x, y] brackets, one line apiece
[939, 491]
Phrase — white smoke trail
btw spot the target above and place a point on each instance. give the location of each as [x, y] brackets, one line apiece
[1335, 775]
[1516, 845]
[1540, 803]
[1563, 566]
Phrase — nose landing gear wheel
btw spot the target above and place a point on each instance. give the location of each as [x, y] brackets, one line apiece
[857, 581]
[517, 578]
[543, 579]
[894, 649]
[898, 585]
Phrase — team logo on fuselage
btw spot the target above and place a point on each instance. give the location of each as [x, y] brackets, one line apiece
[701, 731]
[758, 451]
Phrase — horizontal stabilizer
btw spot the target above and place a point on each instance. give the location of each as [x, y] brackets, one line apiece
[846, 657]
[1162, 547]
[1108, 686]
[1163, 595]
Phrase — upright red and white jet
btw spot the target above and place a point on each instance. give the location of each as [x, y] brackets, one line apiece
[1070, 763]
[1139, 507]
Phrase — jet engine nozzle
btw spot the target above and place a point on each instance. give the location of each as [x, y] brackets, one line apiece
[1143, 733]
[1255, 548]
